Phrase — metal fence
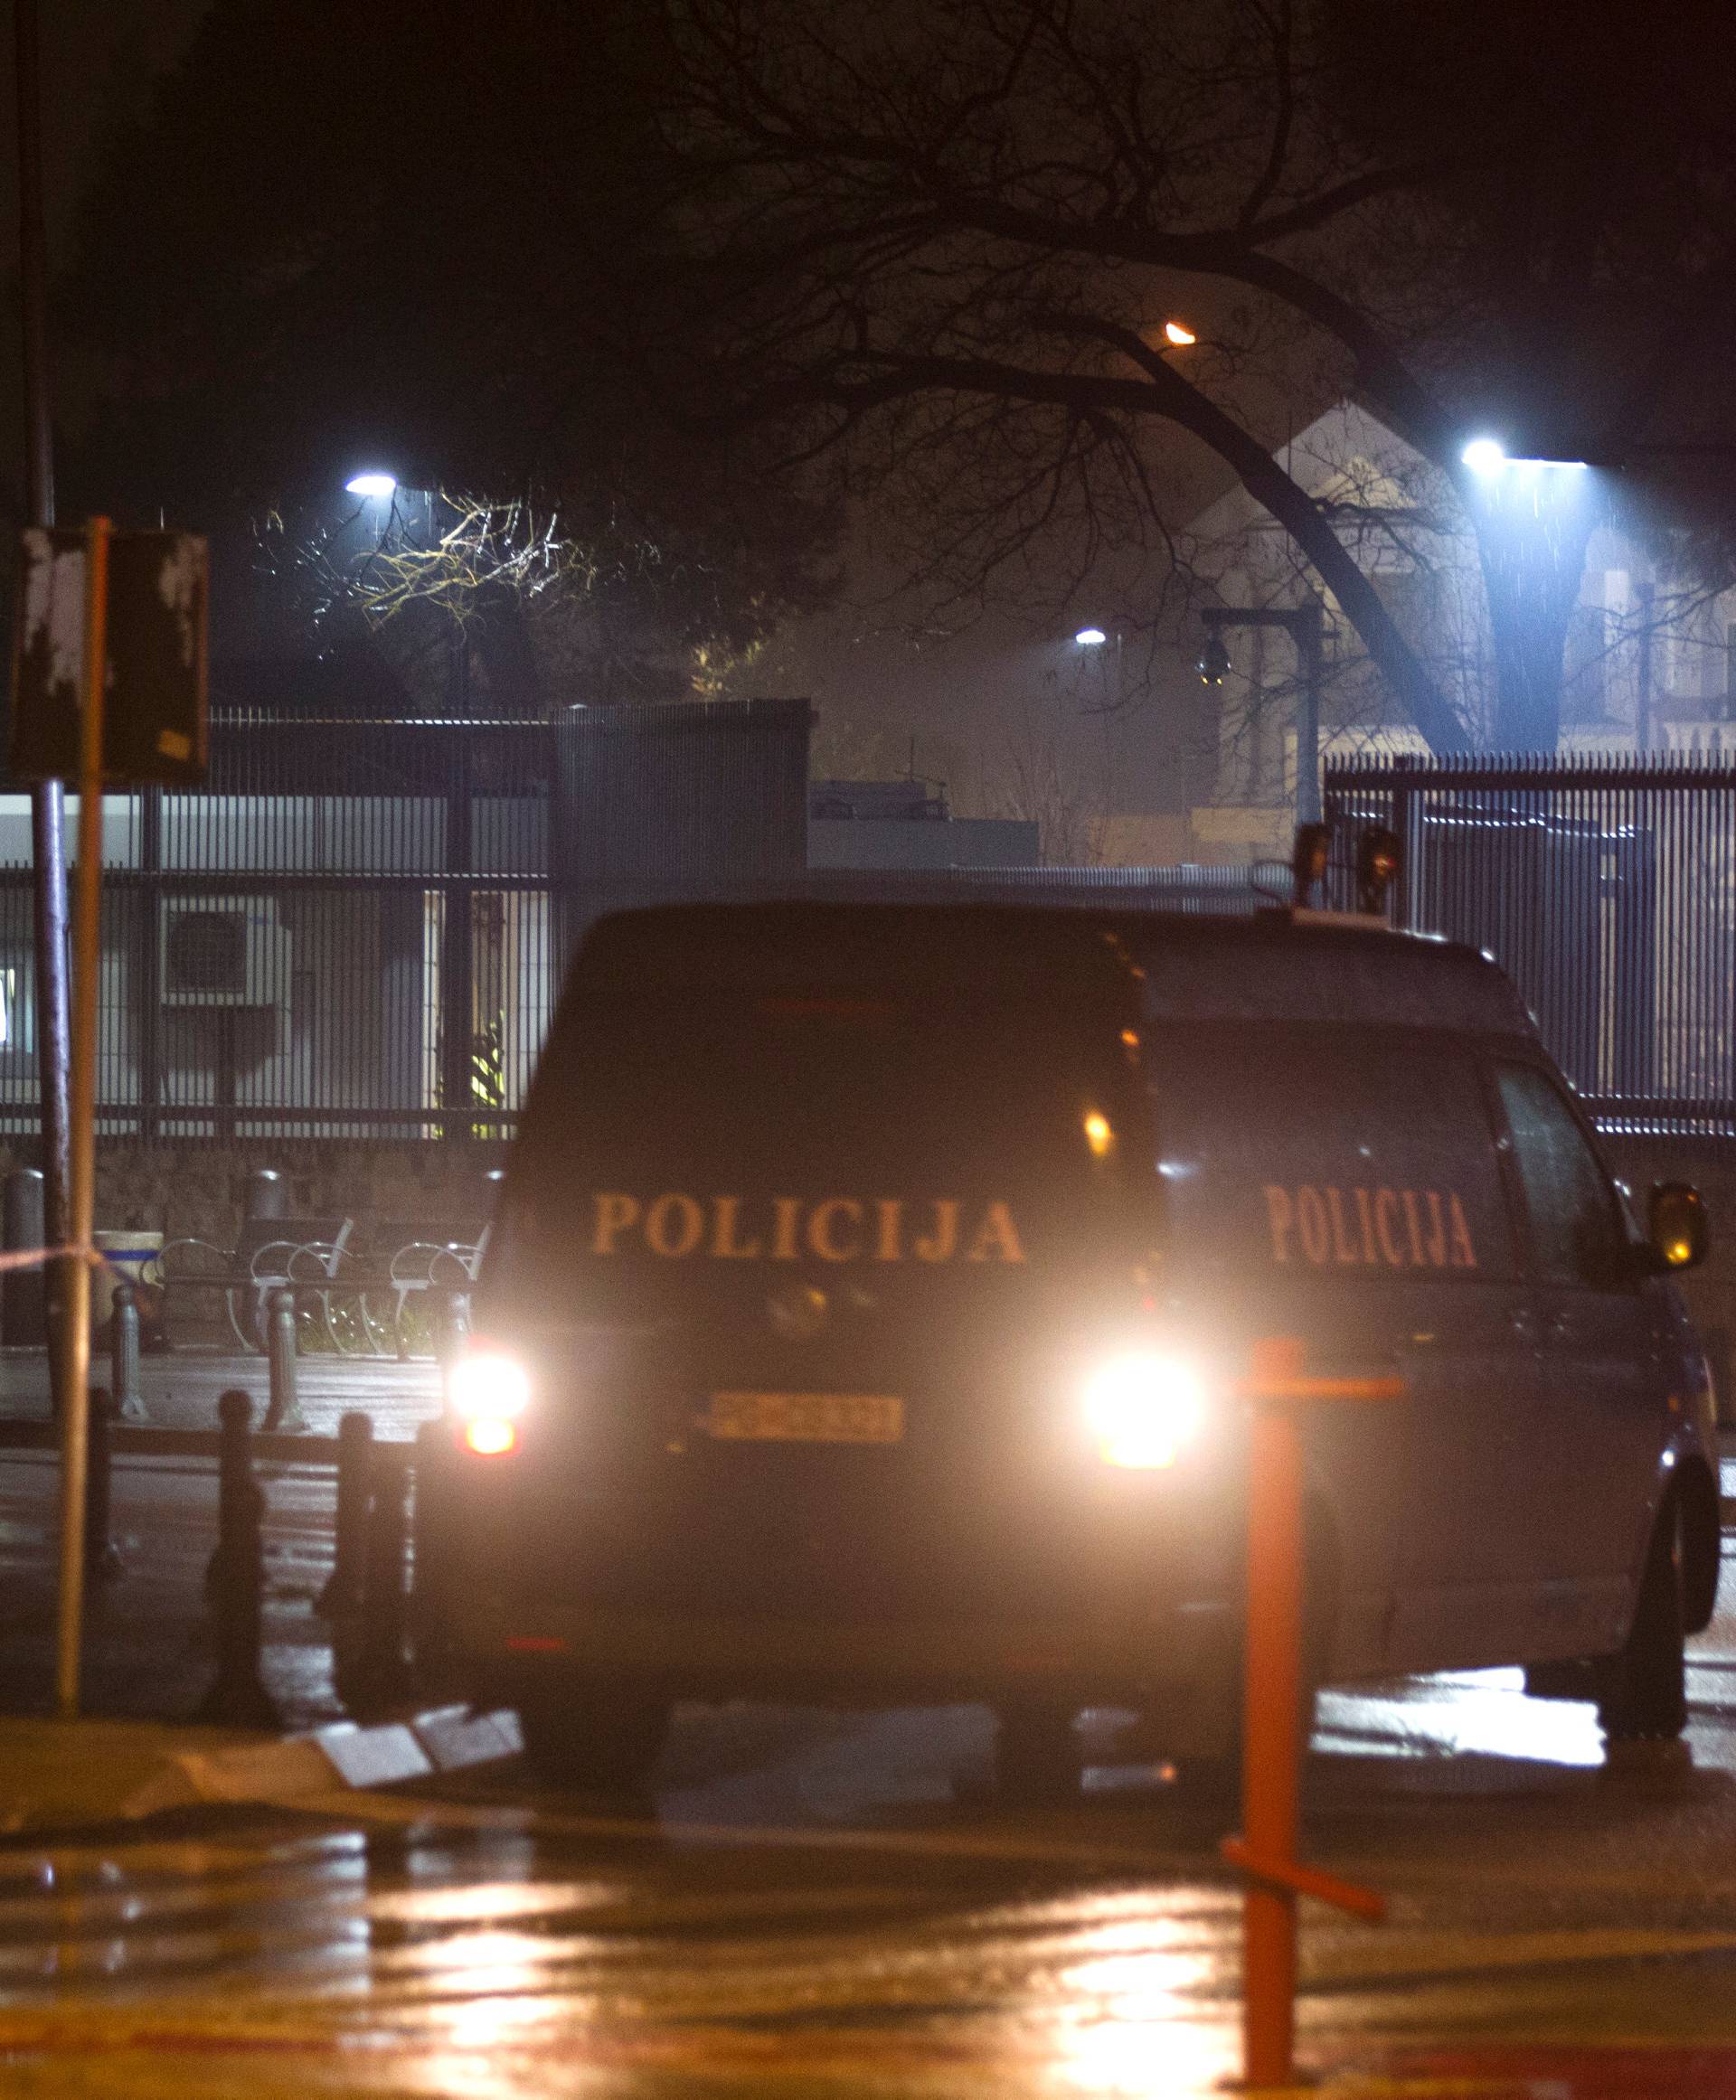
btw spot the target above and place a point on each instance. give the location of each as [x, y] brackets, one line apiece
[357, 929]
[1605, 886]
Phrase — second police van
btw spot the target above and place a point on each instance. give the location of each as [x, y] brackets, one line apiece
[871, 1280]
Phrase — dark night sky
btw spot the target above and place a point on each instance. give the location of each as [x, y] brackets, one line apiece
[98, 60]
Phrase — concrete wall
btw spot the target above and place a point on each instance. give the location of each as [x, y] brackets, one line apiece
[958, 842]
[197, 1191]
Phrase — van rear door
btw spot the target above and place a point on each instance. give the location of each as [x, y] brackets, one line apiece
[807, 1227]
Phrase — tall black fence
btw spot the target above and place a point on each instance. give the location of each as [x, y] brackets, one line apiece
[357, 929]
[1606, 887]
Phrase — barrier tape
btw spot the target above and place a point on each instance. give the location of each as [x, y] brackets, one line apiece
[34, 1256]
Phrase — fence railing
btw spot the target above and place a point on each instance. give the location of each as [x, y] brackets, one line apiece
[1606, 886]
[359, 929]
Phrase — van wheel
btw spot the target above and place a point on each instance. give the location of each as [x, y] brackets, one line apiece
[1037, 1754]
[592, 1737]
[1643, 1694]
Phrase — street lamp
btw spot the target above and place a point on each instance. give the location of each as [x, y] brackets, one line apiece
[1302, 623]
[1488, 456]
[1091, 638]
[1214, 665]
[1179, 335]
[374, 487]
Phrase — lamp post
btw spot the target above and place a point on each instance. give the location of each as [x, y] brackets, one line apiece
[1302, 623]
[47, 798]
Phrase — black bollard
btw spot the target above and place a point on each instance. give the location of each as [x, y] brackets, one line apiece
[267, 1195]
[282, 1409]
[24, 1319]
[383, 1671]
[341, 1597]
[236, 1578]
[238, 1698]
[452, 1328]
[234, 1468]
[123, 1355]
[101, 1554]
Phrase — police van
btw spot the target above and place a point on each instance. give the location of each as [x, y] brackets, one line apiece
[872, 1283]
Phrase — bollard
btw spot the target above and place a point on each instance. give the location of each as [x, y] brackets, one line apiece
[1271, 1743]
[123, 1355]
[452, 1328]
[451, 1331]
[282, 1409]
[234, 1465]
[102, 1560]
[382, 1670]
[341, 1597]
[236, 1578]
[267, 1195]
[24, 1318]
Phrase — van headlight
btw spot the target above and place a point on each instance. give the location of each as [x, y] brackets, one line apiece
[1143, 1409]
[487, 1390]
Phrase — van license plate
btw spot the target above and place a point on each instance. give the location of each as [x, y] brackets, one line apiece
[806, 1417]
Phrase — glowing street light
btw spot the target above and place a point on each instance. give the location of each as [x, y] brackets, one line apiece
[1488, 457]
[1175, 333]
[1091, 638]
[374, 487]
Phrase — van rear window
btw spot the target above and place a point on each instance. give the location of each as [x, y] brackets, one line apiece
[1306, 1149]
[902, 1129]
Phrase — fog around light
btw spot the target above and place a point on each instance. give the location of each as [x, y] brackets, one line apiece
[1143, 1409]
[378, 486]
[1090, 637]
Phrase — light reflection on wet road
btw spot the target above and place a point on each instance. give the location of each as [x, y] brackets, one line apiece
[814, 1912]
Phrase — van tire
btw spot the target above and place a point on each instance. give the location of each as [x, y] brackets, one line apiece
[596, 1739]
[1643, 1695]
[1038, 1754]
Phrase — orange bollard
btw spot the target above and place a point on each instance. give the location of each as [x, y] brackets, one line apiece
[1272, 1748]
[1270, 1752]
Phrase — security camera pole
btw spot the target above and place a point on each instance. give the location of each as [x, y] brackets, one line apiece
[1302, 623]
[47, 798]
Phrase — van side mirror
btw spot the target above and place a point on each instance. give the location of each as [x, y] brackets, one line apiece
[1679, 1226]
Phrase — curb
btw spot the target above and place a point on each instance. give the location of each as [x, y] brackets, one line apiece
[82, 1772]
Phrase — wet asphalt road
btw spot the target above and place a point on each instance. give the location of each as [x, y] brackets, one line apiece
[822, 1904]
[810, 1908]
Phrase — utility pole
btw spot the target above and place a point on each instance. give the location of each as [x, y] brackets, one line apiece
[47, 798]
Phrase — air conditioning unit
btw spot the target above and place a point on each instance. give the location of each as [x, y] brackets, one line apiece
[223, 951]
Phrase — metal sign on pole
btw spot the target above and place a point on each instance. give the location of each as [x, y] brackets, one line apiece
[108, 686]
[86, 968]
[154, 685]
